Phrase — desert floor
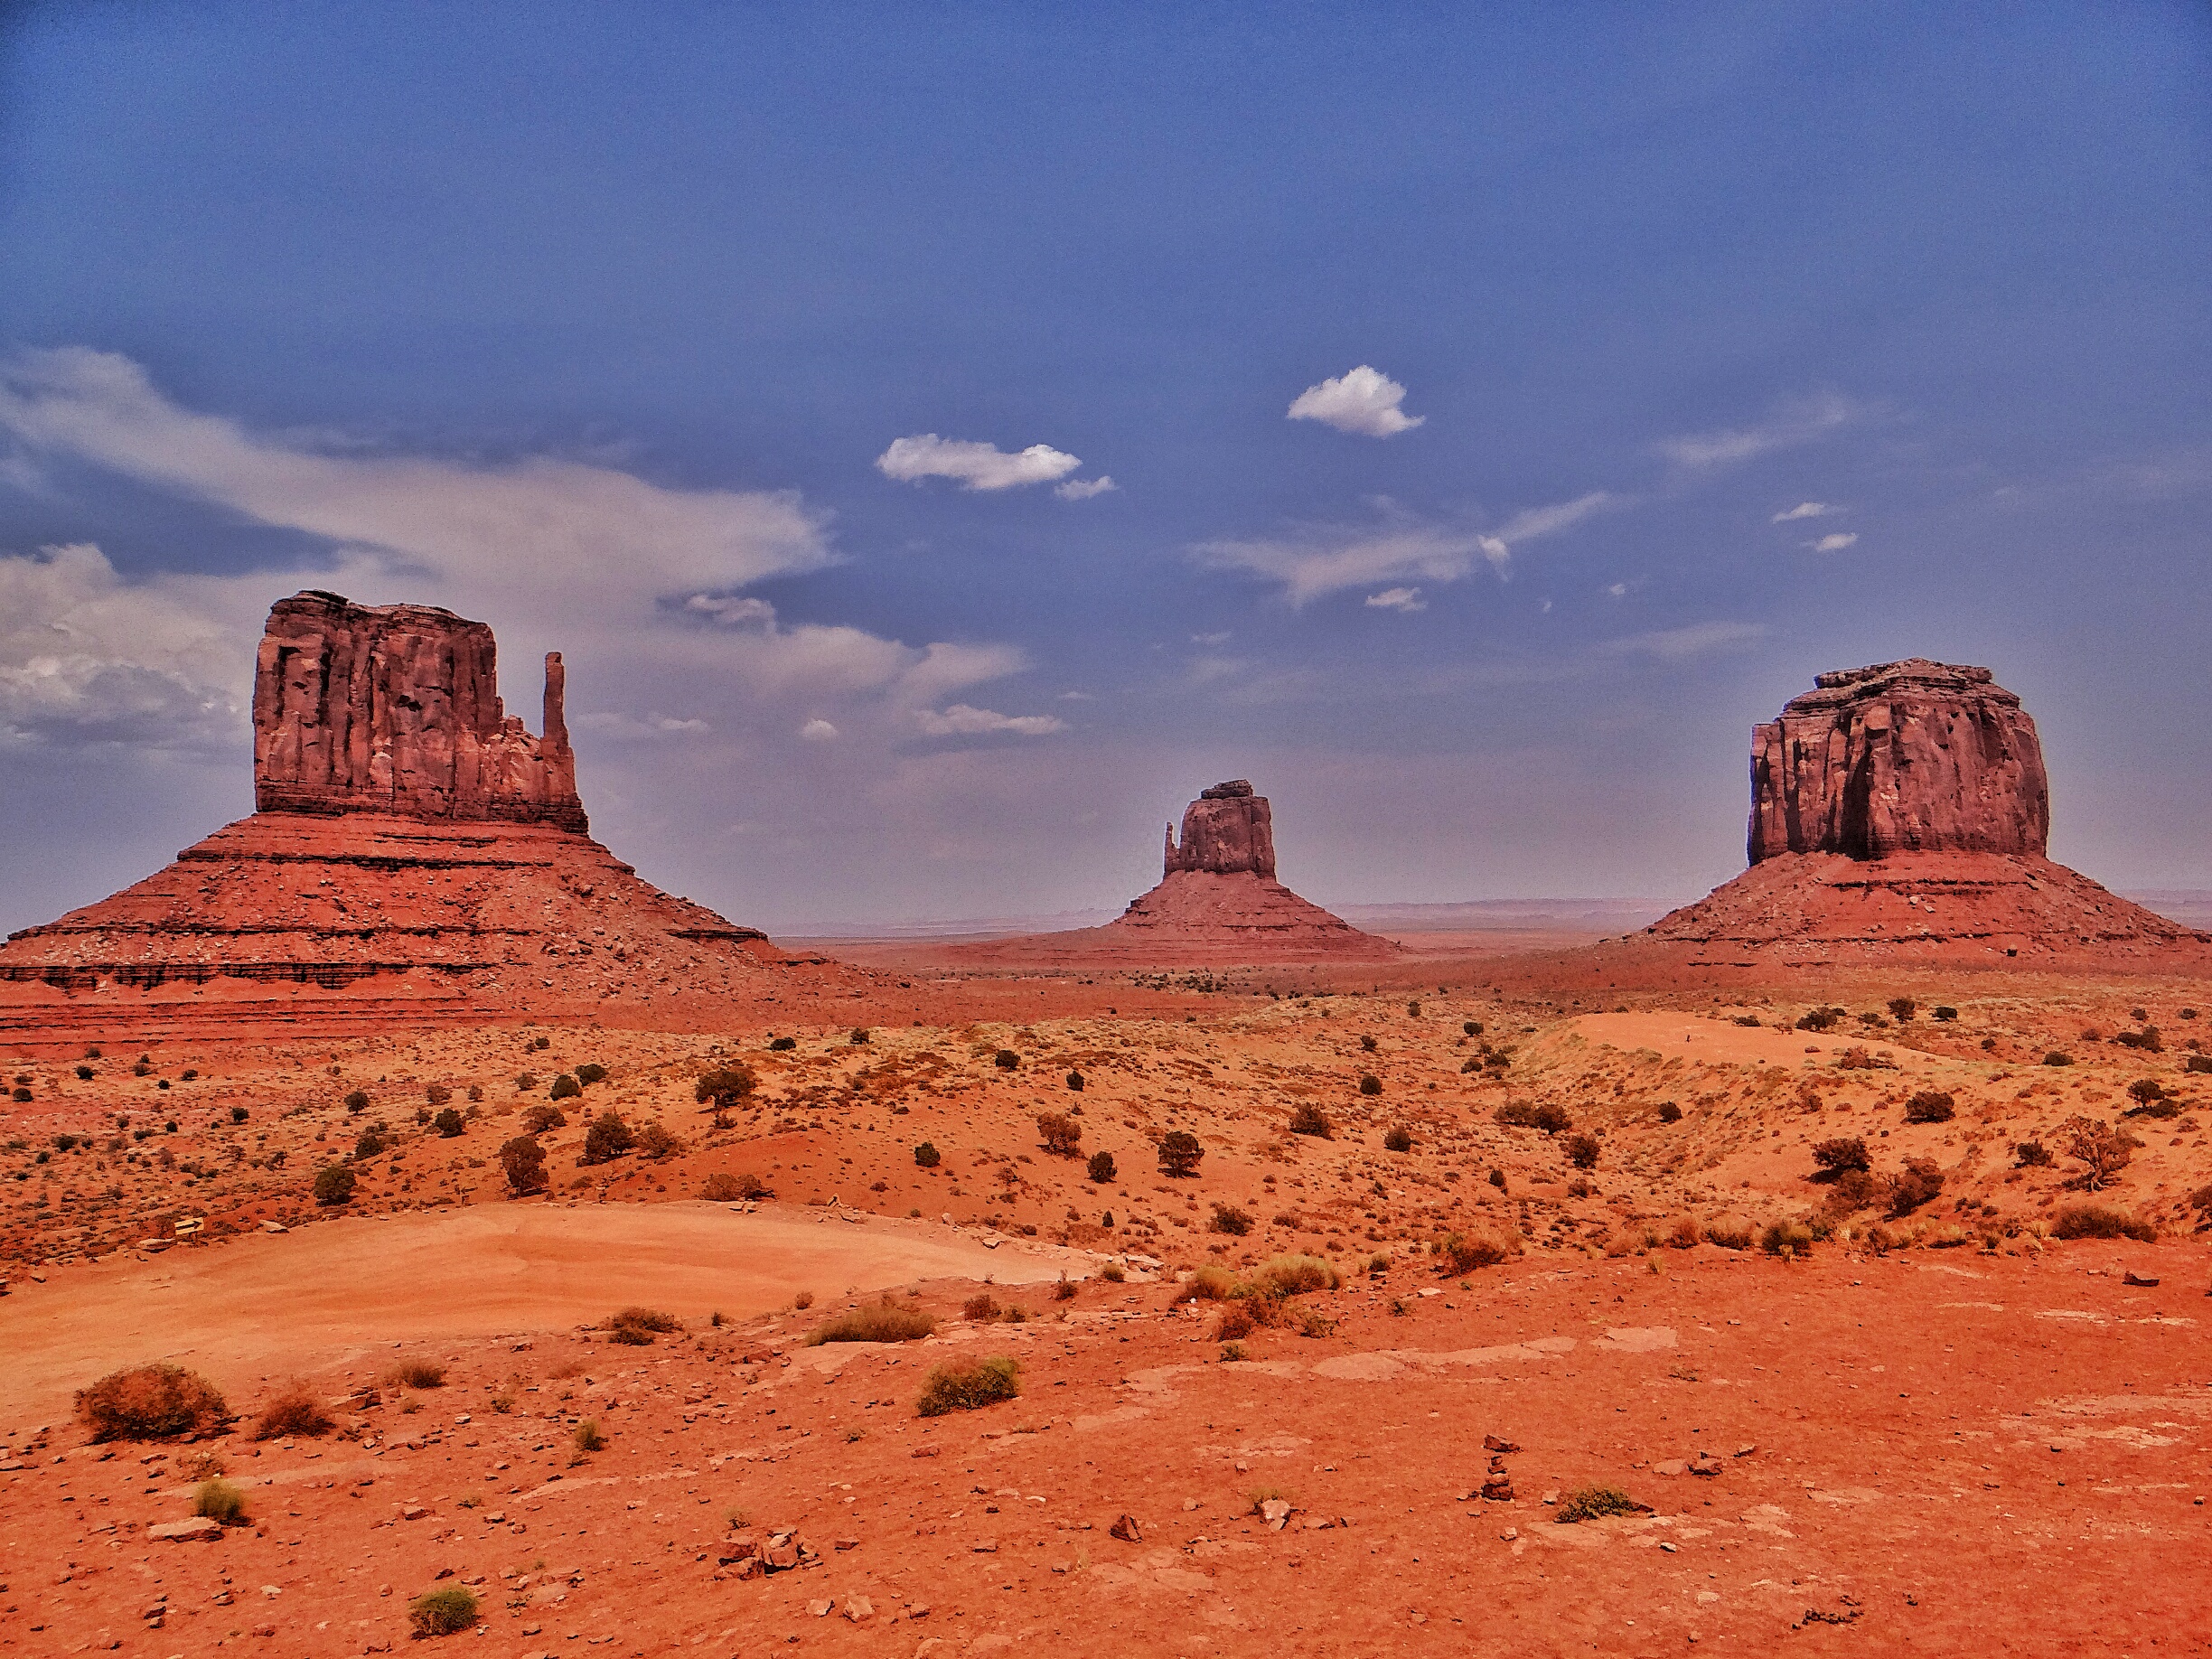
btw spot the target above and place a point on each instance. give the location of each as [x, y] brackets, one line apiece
[1859, 1424]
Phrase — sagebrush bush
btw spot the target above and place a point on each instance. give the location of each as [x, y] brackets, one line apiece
[585, 1436]
[1006, 1060]
[655, 1141]
[1591, 1502]
[1552, 1119]
[1582, 1152]
[292, 1412]
[607, 1139]
[1369, 1084]
[1100, 1168]
[590, 1072]
[725, 1188]
[522, 1161]
[219, 1501]
[2097, 1221]
[417, 1373]
[1930, 1106]
[1179, 1153]
[981, 1307]
[1912, 1185]
[1399, 1138]
[541, 1117]
[967, 1385]
[1310, 1119]
[1728, 1232]
[443, 1612]
[1060, 1133]
[1294, 1275]
[1844, 1152]
[927, 1155]
[1236, 1322]
[783, 1044]
[637, 1327]
[1464, 1252]
[724, 1086]
[152, 1402]
[1787, 1238]
[334, 1186]
[1229, 1219]
[1211, 1283]
[565, 1088]
[885, 1321]
[1669, 1112]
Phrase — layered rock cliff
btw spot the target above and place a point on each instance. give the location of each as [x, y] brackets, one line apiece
[1228, 829]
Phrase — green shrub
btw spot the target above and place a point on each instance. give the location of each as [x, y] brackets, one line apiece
[1591, 1502]
[637, 1327]
[783, 1044]
[1294, 1275]
[1819, 1020]
[884, 1322]
[1844, 1152]
[607, 1139]
[1060, 1133]
[1787, 1238]
[2055, 1058]
[1473, 1027]
[585, 1436]
[1466, 1251]
[2095, 1221]
[1552, 1119]
[541, 1117]
[927, 1155]
[334, 1186]
[965, 1385]
[1179, 1153]
[724, 1086]
[417, 1373]
[523, 1162]
[1912, 1185]
[656, 1141]
[526, 1081]
[152, 1402]
[357, 1101]
[238, 1114]
[565, 1088]
[1369, 1083]
[1515, 1114]
[1399, 1140]
[292, 1412]
[983, 1307]
[1945, 1014]
[1930, 1106]
[2032, 1155]
[368, 1146]
[1229, 1219]
[1902, 1008]
[219, 1501]
[728, 1188]
[1005, 1060]
[1100, 1168]
[1310, 1119]
[443, 1612]
[1075, 1081]
[449, 1124]
[1582, 1152]
[590, 1072]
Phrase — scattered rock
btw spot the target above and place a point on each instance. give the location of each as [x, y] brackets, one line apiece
[197, 1530]
[1126, 1529]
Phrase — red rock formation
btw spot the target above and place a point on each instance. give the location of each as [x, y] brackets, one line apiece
[1217, 903]
[1903, 809]
[1911, 756]
[418, 858]
[395, 709]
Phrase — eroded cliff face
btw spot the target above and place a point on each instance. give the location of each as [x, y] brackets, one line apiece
[1911, 756]
[396, 709]
[1227, 830]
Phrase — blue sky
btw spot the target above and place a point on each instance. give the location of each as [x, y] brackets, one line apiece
[602, 323]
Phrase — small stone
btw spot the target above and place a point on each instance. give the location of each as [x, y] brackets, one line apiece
[1491, 1442]
[1275, 1511]
[197, 1530]
[859, 1608]
[986, 1546]
[821, 1606]
[1673, 1465]
[1126, 1529]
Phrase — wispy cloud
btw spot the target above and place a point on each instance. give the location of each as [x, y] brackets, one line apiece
[1364, 401]
[1083, 489]
[1803, 510]
[1804, 421]
[1679, 645]
[1833, 544]
[819, 730]
[972, 466]
[1397, 599]
[1320, 560]
[960, 720]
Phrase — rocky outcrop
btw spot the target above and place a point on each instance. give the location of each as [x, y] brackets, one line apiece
[1228, 830]
[396, 709]
[1911, 756]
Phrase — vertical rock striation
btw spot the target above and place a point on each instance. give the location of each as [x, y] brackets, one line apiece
[1911, 756]
[1228, 830]
[396, 709]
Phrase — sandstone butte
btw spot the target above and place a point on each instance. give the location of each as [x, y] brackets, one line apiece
[417, 855]
[1218, 904]
[1903, 809]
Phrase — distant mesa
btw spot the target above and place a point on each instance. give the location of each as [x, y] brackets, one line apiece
[1904, 807]
[1217, 905]
[418, 856]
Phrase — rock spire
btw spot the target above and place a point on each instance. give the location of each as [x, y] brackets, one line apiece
[1228, 829]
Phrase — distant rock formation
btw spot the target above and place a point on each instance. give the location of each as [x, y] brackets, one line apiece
[1911, 756]
[395, 709]
[1903, 809]
[1217, 904]
[418, 858]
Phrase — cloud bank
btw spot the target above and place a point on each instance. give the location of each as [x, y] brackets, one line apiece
[1364, 401]
[978, 466]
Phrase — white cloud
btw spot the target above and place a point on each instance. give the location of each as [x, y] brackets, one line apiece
[818, 731]
[731, 611]
[1324, 560]
[542, 539]
[1397, 599]
[1083, 489]
[1618, 590]
[1679, 645]
[975, 466]
[633, 728]
[962, 721]
[1833, 544]
[1364, 401]
[1803, 510]
[1801, 422]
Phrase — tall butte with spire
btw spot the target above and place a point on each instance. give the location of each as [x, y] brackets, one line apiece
[1217, 904]
[416, 857]
[1903, 809]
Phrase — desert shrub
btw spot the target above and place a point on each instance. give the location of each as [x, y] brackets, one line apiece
[1060, 1133]
[442, 1612]
[526, 1081]
[1914, 1185]
[927, 1155]
[1473, 1027]
[1294, 1275]
[2144, 1091]
[368, 1146]
[1582, 1152]
[965, 1385]
[565, 1088]
[85, 1074]
[2147, 1039]
[1310, 1119]
[1945, 1014]
[1745, 1020]
[448, 1123]
[541, 1117]
[1179, 1153]
[1857, 1059]
[1399, 1140]
[540, 1044]
[1496, 1177]
[523, 1162]
[1211, 1283]
[1236, 1323]
[1367, 1045]
[334, 1186]
[1075, 1081]
[607, 1139]
[293, 1411]
[152, 1402]
[238, 1114]
[438, 1094]
[1515, 1114]
[1369, 1083]
[1113, 1273]
[1856, 1189]
[585, 1436]
[590, 1072]
[885, 1321]
[2200, 1201]
[1592, 1502]
[357, 1102]
[724, 1087]
[1229, 1219]
[637, 1327]
[783, 1044]
[2056, 1058]
[1819, 1020]
[1930, 1106]
[655, 1140]
[1552, 1119]
[983, 1307]
[1844, 1152]
[219, 1501]
[1787, 1238]
[2032, 1155]
[723, 1188]
[1684, 1235]
[1006, 1060]
[1902, 1008]
[2102, 1151]
[803, 1300]
[417, 1373]
[1729, 1233]
[1463, 1252]
[2097, 1221]
[1100, 1168]
[1669, 1112]
[2197, 1062]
